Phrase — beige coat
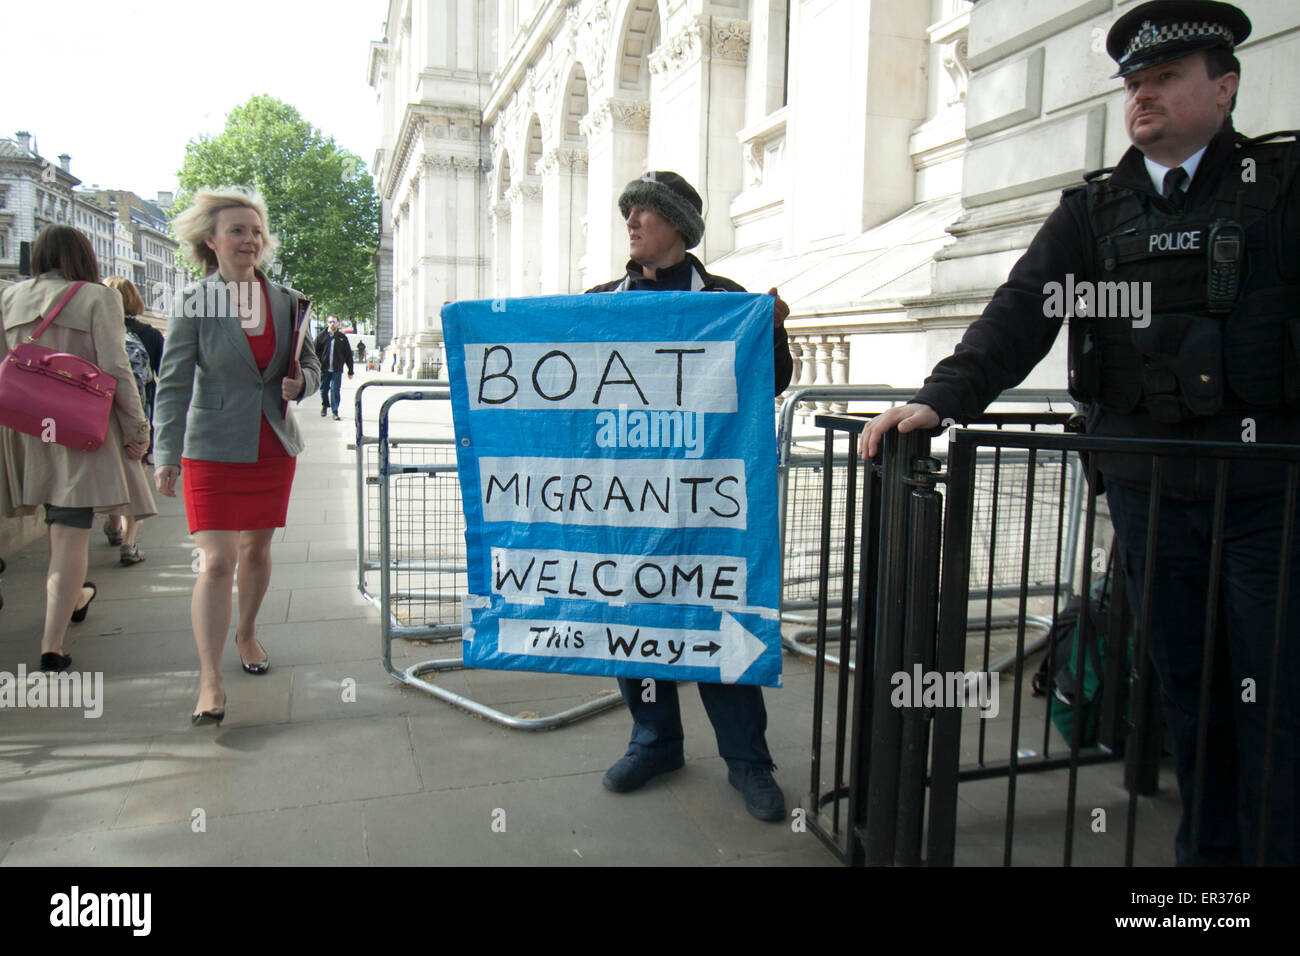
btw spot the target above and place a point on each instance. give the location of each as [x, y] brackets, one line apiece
[35, 473]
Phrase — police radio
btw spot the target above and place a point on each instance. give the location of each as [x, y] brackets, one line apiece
[1226, 250]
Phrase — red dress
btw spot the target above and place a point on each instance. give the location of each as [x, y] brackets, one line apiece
[243, 496]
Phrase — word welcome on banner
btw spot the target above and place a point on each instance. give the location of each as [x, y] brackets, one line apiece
[617, 462]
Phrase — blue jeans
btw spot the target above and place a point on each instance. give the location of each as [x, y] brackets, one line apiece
[1243, 649]
[736, 711]
[330, 385]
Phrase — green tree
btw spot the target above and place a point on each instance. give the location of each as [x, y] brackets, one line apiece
[321, 201]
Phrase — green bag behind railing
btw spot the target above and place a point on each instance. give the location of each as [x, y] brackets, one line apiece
[1065, 683]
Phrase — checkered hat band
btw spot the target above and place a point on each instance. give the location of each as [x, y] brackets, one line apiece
[1150, 36]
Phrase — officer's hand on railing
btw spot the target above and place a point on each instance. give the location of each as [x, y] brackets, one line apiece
[907, 417]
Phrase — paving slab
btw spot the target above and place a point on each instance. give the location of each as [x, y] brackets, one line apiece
[327, 760]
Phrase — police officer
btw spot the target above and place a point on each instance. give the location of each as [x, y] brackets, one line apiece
[1200, 227]
[663, 215]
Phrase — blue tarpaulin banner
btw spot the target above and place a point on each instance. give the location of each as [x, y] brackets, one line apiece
[617, 461]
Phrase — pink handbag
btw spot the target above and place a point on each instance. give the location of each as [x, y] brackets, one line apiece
[58, 397]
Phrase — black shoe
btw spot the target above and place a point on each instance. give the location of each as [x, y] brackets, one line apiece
[261, 667]
[637, 767]
[324, 412]
[50, 661]
[128, 555]
[114, 537]
[79, 614]
[210, 716]
[763, 798]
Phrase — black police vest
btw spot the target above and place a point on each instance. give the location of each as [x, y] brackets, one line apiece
[1145, 335]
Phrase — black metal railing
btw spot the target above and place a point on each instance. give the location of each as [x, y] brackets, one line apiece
[898, 801]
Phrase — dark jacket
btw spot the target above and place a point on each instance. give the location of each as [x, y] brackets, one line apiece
[1015, 332]
[342, 351]
[690, 274]
[152, 339]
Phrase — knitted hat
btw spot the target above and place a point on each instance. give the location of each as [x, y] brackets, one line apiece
[670, 196]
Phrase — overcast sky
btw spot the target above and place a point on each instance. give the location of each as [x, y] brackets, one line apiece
[123, 85]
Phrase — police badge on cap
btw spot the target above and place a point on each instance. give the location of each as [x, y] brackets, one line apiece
[1165, 30]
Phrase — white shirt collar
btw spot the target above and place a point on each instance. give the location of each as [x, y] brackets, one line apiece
[1157, 172]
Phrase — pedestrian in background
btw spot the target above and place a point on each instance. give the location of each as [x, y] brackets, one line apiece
[224, 424]
[144, 345]
[333, 351]
[72, 483]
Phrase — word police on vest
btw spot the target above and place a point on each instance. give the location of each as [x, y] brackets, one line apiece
[74, 909]
[1186, 241]
[578, 375]
[1098, 300]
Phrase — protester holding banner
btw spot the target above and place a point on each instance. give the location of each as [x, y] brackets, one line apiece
[223, 422]
[663, 215]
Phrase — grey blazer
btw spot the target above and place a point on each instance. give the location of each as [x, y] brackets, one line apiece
[211, 397]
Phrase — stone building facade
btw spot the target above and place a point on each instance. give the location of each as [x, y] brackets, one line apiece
[882, 162]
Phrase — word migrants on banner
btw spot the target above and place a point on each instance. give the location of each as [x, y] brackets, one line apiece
[617, 462]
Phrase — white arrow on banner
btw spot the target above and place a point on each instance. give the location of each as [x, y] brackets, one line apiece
[731, 648]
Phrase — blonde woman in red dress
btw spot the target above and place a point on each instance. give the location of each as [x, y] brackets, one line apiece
[223, 423]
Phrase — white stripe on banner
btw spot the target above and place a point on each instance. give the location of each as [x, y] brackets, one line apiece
[525, 576]
[699, 376]
[731, 648]
[615, 492]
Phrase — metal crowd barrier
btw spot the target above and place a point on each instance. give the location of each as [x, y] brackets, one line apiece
[896, 802]
[414, 450]
[420, 555]
[799, 496]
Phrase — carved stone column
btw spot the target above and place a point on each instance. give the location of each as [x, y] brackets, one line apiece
[525, 200]
[564, 206]
[617, 134]
[701, 68]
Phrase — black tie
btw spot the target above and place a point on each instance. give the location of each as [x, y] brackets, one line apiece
[1173, 187]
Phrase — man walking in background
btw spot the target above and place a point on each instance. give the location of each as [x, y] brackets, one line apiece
[334, 351]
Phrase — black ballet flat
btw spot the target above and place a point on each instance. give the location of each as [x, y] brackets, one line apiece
[261, 667]
[79, 615]
[210, 716]
[53, 661]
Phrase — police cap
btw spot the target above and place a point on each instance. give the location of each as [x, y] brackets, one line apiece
[1165, 30]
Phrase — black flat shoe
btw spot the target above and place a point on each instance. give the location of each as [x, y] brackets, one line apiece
[210, 716]
[79, 614]
[52, 661]
[261, 667]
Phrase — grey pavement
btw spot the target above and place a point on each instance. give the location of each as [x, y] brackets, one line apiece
[304, 771]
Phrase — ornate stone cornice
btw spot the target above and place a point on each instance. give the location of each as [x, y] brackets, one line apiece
[729, 39]
[523, 192]
[561, 157]
[616, 114]
[446, 161]
[680, 50]
[723, 39]
[501, 210]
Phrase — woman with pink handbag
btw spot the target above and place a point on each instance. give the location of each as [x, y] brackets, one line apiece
[72, 483]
